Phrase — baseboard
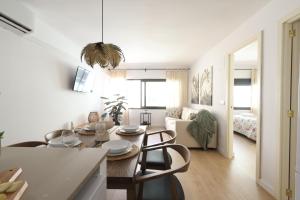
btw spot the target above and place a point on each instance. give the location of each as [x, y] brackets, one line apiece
[267, 188]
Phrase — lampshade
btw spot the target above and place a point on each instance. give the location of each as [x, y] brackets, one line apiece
[106, 55]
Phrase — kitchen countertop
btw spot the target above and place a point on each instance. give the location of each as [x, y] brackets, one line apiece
[52, 173]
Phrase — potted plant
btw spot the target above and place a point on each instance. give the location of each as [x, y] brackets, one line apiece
[114, 107]
[1, 137]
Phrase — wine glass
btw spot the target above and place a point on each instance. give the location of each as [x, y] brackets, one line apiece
[68, 138]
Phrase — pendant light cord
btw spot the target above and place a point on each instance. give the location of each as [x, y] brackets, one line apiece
[102, 21]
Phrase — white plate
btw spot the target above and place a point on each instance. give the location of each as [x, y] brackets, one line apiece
[130, 128]
[89, 128]
[116, 146]
[129, 132]
[57, 142]
[119, 154]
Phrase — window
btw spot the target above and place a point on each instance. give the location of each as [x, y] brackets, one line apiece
[147, 93]
[242, 91]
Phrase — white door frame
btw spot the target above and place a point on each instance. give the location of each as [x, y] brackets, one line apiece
[285, 60]
[258, 38]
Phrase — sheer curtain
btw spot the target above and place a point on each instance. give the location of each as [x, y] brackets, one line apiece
[177, 88]
[118, 81]
[118, 85]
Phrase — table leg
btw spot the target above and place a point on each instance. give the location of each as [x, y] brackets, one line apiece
[131, 192]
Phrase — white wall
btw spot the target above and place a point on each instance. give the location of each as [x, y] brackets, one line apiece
[267, 19]
[158, 115]
[36, 94]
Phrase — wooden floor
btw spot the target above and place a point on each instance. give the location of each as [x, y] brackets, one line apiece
[245, 154]
[213, 177]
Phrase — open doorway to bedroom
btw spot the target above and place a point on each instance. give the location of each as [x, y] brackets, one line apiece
[244, 107]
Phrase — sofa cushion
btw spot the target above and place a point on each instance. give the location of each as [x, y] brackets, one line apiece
[173, 112]
[170, 123]
[186, 113]
[193, 116]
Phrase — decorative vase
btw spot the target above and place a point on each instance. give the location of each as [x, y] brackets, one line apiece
[93, 117]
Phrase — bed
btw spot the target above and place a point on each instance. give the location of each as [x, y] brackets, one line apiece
[245, 124]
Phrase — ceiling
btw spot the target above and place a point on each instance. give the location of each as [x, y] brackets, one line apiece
[151, 33]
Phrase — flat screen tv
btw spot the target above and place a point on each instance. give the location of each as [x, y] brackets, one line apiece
[83, 80]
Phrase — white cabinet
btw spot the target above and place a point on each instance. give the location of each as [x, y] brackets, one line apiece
[95, 188]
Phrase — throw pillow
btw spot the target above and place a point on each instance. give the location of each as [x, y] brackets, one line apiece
[173, 112]
[185, 113]
[193, 116]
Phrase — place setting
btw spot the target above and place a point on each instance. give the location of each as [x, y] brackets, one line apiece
[120, 149]
[130, 130]
[68, 138]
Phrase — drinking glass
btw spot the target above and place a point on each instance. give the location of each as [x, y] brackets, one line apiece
[101, 133]
[68, 138]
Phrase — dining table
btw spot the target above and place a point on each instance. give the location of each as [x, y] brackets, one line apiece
[120, 173]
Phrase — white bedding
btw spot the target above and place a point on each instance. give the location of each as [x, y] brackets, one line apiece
[245, 123]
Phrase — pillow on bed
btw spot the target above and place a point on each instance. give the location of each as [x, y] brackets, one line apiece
[248, 114]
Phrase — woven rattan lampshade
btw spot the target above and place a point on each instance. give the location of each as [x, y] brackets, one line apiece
[106, 55]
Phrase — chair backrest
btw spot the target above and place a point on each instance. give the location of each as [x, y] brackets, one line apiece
[180, 149]
[53, 134]
[28, 144]
[171, 140]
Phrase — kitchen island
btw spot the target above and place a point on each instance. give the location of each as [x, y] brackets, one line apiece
[58, 173]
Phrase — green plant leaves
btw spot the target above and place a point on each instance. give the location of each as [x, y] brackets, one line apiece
[1, 134]
[114, 105]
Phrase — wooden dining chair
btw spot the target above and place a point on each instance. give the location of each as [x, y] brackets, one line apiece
[29, 144]
[53, 134]
[160, 158]
[163, 184]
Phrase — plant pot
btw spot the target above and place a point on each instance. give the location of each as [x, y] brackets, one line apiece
[117, 123]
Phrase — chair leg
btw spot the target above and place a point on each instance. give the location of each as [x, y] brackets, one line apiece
[173, 188]
[140, 193]
[166, 158]
[144, 162]
[144, 157]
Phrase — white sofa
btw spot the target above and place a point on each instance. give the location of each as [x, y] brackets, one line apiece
[183, 136]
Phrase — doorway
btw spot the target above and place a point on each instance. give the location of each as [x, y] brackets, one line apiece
[290, 156]
[244, 110]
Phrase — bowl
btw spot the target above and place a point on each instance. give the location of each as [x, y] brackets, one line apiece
[130, 128]
[116, 146]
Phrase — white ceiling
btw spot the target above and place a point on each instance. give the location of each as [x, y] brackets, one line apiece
[151, 33]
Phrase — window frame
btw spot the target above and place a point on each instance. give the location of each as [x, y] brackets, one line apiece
[242, 82]
[143, 97]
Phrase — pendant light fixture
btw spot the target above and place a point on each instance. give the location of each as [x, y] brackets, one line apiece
[106, 55]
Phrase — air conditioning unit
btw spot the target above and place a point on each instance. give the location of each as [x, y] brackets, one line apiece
[15, 17]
